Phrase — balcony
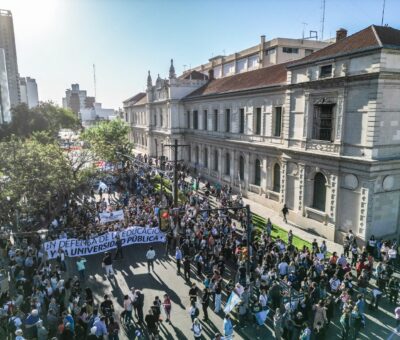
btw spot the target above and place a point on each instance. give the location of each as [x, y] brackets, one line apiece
[318, 215]
[273, 195]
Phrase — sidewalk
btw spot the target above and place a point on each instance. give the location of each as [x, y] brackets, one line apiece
[265, 212]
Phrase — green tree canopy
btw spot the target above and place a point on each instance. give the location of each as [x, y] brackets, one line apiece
[45, 117]
[34, 178]
[108, 139]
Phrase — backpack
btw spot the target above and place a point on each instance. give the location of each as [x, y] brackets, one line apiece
[11, 325]
[196, 312]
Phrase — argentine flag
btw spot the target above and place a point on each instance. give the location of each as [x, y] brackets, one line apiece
[233, 300]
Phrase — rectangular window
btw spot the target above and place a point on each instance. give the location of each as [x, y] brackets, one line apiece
[326, 71]
[241, 121]
[215, 120]
[258, 121]
[270, 51]
[188, 120]
[290, 50]
[195, 120]
[227, 120]
[323, 122]
[277, 119]
[308, 51]
[205, 120]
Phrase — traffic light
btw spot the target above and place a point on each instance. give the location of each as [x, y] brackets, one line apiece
[164, 219]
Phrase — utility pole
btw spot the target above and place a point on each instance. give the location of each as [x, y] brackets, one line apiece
[175, 146]
[383, 11]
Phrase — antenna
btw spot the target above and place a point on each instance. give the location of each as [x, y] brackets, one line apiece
[383, 11]
[323, 20]
[94, 81]
[304, 28]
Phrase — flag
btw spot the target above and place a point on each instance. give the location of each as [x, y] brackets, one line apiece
[233, 300]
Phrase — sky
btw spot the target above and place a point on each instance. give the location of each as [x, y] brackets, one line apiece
[58, 41]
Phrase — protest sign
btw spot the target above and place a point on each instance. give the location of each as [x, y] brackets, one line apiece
[112, 216]
[75, 247]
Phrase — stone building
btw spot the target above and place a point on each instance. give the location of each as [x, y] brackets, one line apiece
[320, 134]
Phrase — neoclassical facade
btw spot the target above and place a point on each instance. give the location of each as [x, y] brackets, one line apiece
[320, 134]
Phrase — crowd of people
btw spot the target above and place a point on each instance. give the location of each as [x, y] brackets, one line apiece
[297, 291]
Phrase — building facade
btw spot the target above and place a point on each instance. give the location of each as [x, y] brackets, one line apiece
[320, 134]
[7, 42]
[5, 106]
[29, 92]
[75, 99]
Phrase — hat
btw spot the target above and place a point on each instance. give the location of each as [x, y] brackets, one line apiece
[35, 312]
[93, 330]
[19, 332]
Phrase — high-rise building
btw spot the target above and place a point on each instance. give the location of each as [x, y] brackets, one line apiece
[7, 42]
[29, 91]
[5, 114]
[75, 99]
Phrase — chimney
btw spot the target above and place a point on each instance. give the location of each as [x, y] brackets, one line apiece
[211, 74]
[262, 41]
[341, 33]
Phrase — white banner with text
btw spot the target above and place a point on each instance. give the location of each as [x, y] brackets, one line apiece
[112, 216]
[75, 247]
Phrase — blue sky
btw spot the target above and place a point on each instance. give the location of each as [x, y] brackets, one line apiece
[59, 40]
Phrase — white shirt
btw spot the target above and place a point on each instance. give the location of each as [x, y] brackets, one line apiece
[151, 254]
[392, 253]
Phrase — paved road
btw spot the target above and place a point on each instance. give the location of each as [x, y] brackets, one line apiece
[132, 272]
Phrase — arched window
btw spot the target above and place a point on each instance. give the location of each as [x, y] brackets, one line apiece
[205, 160]
[241, 168]
[277, 178]
[227, 163]
[196, 155]
[215, 160]
[257, 172]
[319, 197]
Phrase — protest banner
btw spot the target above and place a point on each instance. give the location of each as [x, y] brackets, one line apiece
[75, 247]
[112, 216]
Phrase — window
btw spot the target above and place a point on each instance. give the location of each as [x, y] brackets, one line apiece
[227, 164]
[326, 71]
[161, 120]
[277, 121]
[196, 155]
[323, 122]
[290, 50]
[215, 120]
[270, 51]
[241, 168]
[227, 120]
[205, 158]
[205, 120]
[308, 51]
[241, 121]
[258, 121]
[277, 178]
[216, 160]
[188, 120]
[195, 120]
[319, 197]
[257, 172]
[155, 120]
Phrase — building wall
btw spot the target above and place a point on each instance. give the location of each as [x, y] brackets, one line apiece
[5, 106]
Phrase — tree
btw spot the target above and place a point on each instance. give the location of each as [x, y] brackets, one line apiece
[35, 179]
[109, 140]
[45, 117]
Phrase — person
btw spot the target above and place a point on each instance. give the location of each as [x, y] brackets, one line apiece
[92, 335]
[285, 211]
[228, 327]
[193, 310]
[278, 324]
[355, 322]
[113, 329]
[196, 328]
[345, 323]
[101, 327]
[268, 227]
[393, 286]
[186, 268]
[178, 258]
[81, 266]
[397, 317]
[319, 314]
[193, 292]
[152, 324]
[118, 244]
[42, 332]
[205, 302]
[150, 255]
[107, 264]
[167, 307]
[138, 304]
[127, 309]
[107, 308]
